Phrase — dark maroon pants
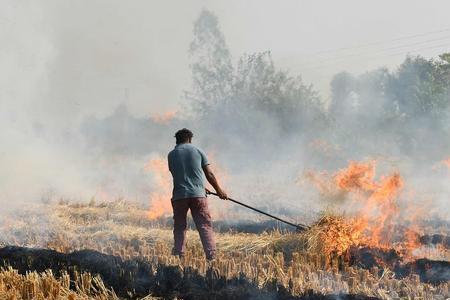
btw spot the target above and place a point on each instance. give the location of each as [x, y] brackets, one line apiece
[202, 219]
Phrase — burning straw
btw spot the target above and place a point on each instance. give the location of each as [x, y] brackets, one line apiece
[374, 218]
[333, 235]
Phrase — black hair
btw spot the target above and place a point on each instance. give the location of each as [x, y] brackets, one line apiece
[183, 135]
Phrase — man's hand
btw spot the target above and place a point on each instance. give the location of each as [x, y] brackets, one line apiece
[222, 194]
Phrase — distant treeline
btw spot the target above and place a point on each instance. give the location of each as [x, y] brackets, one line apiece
[256, 107]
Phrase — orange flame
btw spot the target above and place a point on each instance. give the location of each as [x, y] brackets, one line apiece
[379, 207]
[446, 162]
[160, 204]
[357, 176]
[376, 210]
[164, 117]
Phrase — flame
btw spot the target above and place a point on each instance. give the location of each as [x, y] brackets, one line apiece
[377, 201]
[375, 216]
[160, 204]
[164, 117]
[446, 162]
[335, 235]
[357, 176]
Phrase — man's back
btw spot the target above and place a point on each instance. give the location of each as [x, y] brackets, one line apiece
[189, 168]
[186, 165]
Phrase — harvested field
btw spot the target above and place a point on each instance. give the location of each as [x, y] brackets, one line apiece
[113, 250]
[320, 133]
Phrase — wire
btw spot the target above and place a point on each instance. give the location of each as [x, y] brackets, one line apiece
[381, 42]
[351, 55]
[447, 45]
[340, 58]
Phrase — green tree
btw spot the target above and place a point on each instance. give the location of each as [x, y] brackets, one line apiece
[408, 108]
[252, 93]
[260, 86]
[419, 88]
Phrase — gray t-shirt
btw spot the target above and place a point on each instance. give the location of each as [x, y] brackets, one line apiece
[186, 165]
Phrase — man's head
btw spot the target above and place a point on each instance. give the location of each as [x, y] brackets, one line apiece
[183, 136]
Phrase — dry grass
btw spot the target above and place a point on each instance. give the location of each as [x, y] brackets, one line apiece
[296, 261]
[35, 285]
[332, 235]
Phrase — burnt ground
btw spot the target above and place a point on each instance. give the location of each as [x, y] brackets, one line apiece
[429, 271]
[368, 258]
[136, 278]
[435, 239]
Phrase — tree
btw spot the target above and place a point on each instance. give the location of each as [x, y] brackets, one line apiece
[419, 88]
[282, 97]
[343, 86]
[407, 108]
[211, 62]
[250, 93]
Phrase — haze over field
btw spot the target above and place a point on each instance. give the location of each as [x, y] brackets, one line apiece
[90, 91]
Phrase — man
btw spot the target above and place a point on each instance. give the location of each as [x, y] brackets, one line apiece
[189, 167]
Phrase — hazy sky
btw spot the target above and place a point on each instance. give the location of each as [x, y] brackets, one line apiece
[62, 59]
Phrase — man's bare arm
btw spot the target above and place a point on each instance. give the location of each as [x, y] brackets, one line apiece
[213, 181]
